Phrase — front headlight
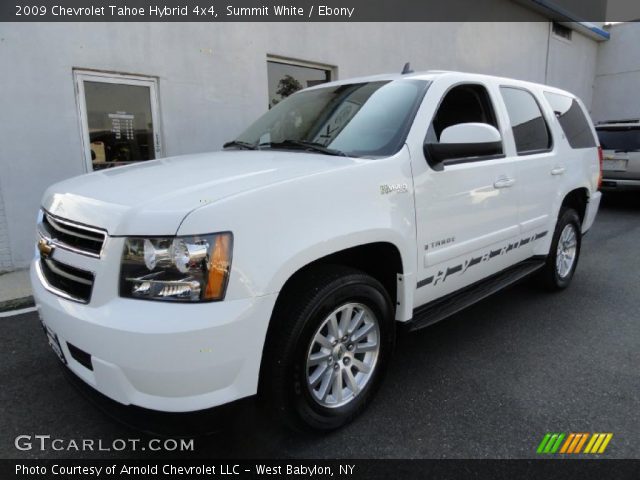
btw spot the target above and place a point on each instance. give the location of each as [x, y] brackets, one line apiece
[185, 269]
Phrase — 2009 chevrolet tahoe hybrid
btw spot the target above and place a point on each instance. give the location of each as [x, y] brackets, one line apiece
[284, 264]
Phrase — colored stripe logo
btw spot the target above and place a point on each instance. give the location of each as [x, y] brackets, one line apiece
[574, 443]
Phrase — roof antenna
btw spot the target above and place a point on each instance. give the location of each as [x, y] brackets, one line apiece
[406, 69]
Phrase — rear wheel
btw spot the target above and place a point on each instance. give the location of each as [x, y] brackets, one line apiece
[327, 352]
[565, 250]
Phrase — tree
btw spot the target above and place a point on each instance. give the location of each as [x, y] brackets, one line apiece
[286, 86]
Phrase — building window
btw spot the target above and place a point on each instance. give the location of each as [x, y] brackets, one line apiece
[286, 77]
[530, 130]
[561, 31]
[119, 115]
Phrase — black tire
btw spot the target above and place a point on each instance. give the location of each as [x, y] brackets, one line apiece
[296, 320]
[549, 277]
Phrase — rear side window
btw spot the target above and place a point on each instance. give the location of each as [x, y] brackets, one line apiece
[529, 127]
[621, 139]
[572, 119]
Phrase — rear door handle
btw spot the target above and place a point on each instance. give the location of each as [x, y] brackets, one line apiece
[504, 182]
[557, 171]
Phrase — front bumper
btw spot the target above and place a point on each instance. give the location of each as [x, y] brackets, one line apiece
[158, 355]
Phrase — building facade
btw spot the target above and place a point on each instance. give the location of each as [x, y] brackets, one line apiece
[84, 96]
[617, 82]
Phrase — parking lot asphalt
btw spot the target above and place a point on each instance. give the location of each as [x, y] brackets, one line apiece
[488, 382]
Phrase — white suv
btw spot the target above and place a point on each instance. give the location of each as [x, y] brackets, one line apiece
[284, 264]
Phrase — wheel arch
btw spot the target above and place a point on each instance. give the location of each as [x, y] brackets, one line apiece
[387, 265]
[387, 270]
[577, 199]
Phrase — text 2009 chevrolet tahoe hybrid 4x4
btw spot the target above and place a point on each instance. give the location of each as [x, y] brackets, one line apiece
[284, 264]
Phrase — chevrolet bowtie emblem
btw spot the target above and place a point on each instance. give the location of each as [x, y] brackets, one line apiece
[45, 248]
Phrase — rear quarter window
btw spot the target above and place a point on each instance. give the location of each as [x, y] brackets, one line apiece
[572, 119]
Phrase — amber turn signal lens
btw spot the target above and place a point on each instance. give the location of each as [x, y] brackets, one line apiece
[219, 267]
[600, 161]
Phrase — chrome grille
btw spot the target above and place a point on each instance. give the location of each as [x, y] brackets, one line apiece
[72, 236]
[66, 281]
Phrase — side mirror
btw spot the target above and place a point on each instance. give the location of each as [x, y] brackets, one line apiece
[464, 140]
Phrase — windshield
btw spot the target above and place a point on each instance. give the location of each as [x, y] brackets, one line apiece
[361, 119]
[619, 139]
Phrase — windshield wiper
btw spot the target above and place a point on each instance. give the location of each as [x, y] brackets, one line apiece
[240, 144]
[314, 146]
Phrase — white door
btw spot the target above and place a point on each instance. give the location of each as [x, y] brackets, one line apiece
[540, 165]
[467, 209]
[119, 118]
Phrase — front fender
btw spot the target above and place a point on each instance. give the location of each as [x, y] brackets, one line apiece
[281, 228]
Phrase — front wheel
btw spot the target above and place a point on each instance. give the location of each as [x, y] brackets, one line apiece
[329, 347]
[565, 250]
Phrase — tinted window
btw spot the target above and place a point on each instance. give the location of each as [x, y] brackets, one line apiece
[623, 139]
[360, 119]
[572, 120]
[529, 128]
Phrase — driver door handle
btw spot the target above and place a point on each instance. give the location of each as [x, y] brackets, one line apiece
[504, 182]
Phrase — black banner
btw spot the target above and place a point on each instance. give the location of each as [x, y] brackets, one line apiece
[315, 10]
[321, 469]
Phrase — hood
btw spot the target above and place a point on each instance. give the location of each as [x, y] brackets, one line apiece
[152, 197]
